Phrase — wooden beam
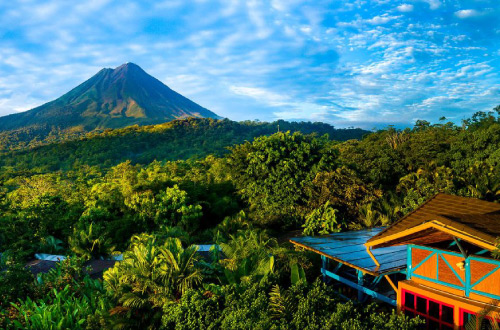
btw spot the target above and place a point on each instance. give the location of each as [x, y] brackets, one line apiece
[372, 256]
[391, 283]
[336, 259]
[437, 225]
[365, 290]
[464, 253]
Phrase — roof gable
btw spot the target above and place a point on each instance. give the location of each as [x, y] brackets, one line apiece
[471, 217]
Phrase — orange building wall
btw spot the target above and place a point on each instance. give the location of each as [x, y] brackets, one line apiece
[446, 297]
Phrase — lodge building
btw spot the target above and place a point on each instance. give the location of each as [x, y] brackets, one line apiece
[435, 262]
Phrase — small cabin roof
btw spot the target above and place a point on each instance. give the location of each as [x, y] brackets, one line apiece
[348, 248]
[441, 218]
[45, 264]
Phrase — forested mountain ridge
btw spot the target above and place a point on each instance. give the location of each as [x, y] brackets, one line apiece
[112, 98]
[175, 140]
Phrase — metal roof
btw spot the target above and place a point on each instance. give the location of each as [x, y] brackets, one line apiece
[348, 248]
[49, 257]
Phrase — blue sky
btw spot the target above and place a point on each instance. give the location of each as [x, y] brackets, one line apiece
[350, 63]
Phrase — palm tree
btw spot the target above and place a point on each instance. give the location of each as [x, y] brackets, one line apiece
[50, 244]
[90, 242]
[247, 256]
[483, 181]
[150, 276]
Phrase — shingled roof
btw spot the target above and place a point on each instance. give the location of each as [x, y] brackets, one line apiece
[442, 218]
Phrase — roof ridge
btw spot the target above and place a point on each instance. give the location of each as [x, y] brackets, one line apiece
[469, 212]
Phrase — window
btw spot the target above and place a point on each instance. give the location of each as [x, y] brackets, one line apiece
[433, 309]
[437, 316]
[409, 300]
[447, 314]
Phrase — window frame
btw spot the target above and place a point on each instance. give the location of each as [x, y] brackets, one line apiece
[427, 316]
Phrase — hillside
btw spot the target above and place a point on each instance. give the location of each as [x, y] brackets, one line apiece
[176, 140]
[112, 98]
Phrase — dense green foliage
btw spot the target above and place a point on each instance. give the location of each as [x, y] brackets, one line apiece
[243, 200]
[269, 307]
[175, 140]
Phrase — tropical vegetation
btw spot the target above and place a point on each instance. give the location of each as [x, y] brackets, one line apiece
[157, 208]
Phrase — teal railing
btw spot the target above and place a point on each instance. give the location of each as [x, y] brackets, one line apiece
[466, 284]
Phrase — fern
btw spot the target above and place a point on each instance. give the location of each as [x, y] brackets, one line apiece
[276, 306]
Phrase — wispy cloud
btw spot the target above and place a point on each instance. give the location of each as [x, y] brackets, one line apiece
[405, 8]
[466, 13]
[347, 62]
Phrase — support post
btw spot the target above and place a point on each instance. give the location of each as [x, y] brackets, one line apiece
[367, 291]
[467, 277]
[323, 267]
[337, 268]
[360, 283]
[391, 283]
[464, 253]
[409, 267]
[369, 251]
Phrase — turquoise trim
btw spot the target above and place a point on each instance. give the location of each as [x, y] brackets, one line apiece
[337, 267]
[453, 270]
[467, 277]
[436, 250]
[409, 262]
[423, 261]
[439, 282]
[363, 289]
[361, 282]
[437, 265]
[489, 295]
[485, 276]
[323, 266]
[489, 261]
[466, 286]
[376, 280]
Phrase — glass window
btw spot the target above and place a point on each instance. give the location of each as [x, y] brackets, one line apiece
[437, 316]
[421, 305]
[434, 309]
[409, 314]
[409, 300]
[433, 324]
[469, 320]
[447, 314]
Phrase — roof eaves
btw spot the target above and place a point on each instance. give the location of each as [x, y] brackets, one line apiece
[445, 225]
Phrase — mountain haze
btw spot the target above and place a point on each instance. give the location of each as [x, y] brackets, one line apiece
[112, 98]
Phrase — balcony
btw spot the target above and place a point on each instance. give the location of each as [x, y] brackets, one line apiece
[470, 276]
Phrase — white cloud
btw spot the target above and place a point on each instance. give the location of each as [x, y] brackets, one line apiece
[221, 53]
[306, 29]
[405, 8]
[474, 70]
[292, 108]
[261, 95]
[434, 4]
[383, 19]
[466, 13]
